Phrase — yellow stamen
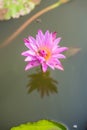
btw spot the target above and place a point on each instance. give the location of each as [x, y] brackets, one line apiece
[45, 52]
[48, 54]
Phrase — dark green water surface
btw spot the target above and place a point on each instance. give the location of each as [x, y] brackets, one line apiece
[24, 96]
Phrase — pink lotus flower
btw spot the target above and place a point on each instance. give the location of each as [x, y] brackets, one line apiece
[44, 51]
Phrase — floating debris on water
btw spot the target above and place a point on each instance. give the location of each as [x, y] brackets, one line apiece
[72, 51]
[75, 126]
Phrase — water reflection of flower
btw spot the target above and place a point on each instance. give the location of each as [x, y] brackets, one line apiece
[42, 82]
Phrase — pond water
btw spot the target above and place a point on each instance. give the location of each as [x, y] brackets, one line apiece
[24, 96]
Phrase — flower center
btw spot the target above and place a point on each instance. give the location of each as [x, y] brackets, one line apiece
[45, 53]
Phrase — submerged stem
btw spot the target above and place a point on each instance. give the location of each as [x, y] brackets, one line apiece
[22, 27]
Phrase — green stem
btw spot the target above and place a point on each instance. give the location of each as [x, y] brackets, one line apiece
[56, 4]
